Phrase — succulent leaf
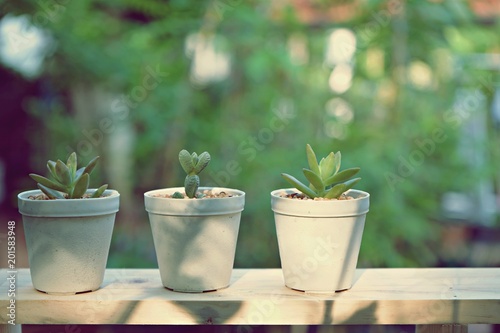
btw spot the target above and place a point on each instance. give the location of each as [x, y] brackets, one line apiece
[68, 182]
[351, 182]
[193, 164]
[51, 165]
[338, 160]
[326, 166]
[53, 194]
[341, 176]
[314, 179]
[97, 193]
[194, 158]
[203, 161]
[78, 173]
[325, 179]
[299, 185]
[47, 182]
[90, 167]
[71, 164]
[336, 191]
[186, 161]
[312, 160]
[314, 189]
[81, 187]
[62, 173]
[177, 195]
[191, 184]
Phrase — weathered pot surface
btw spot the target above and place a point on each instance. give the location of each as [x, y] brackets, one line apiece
[319, 241]
[68, 241]
[195, 239]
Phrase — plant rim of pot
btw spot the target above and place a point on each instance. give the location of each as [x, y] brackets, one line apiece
[172, 190]
[109, 203]
[280, 193]
[358, 205]
[158, 204]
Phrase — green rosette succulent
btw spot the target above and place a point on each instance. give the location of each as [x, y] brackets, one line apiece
[325, 179]
[68, 182]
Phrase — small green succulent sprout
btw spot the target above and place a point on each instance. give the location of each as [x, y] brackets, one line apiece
[192, 164]
[325, 180]
[67, 182]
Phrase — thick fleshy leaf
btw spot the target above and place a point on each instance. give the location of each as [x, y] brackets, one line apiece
[47, 182]
[194, 158]
[81, 187]
[299, 185]
[312, 160]
[350, 183]
[78, 174]
[338, 189]
[88, 169]
[314, 179]
[338, 161]
[203, 161]
[178, 195]
[335, 191]
[341, 176]
[53, 194]
[191, 184]
[98, 193]
[71, 163]
[326, 166]
[186, 161]
[51, 166]
[62, 172]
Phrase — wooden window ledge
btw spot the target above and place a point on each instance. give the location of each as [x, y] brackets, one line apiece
[258, 297]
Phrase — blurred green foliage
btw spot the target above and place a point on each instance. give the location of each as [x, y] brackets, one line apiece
[256, 121]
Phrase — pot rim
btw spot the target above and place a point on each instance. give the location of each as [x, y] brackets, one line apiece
[362, 194]
[25, 194]
[238, 193]
[359, 205]
[194, 207]
[68, 207]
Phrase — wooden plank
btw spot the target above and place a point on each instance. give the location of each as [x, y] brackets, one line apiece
[258, 296]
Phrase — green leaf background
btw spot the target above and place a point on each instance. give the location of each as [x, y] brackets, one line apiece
[256, 121]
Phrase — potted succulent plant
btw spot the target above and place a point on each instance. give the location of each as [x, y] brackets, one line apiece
[195, 230]
[68, 228]
[319, 227]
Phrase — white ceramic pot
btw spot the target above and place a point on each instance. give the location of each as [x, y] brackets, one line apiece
[68, 240]
[319, 241]
[195, 239]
